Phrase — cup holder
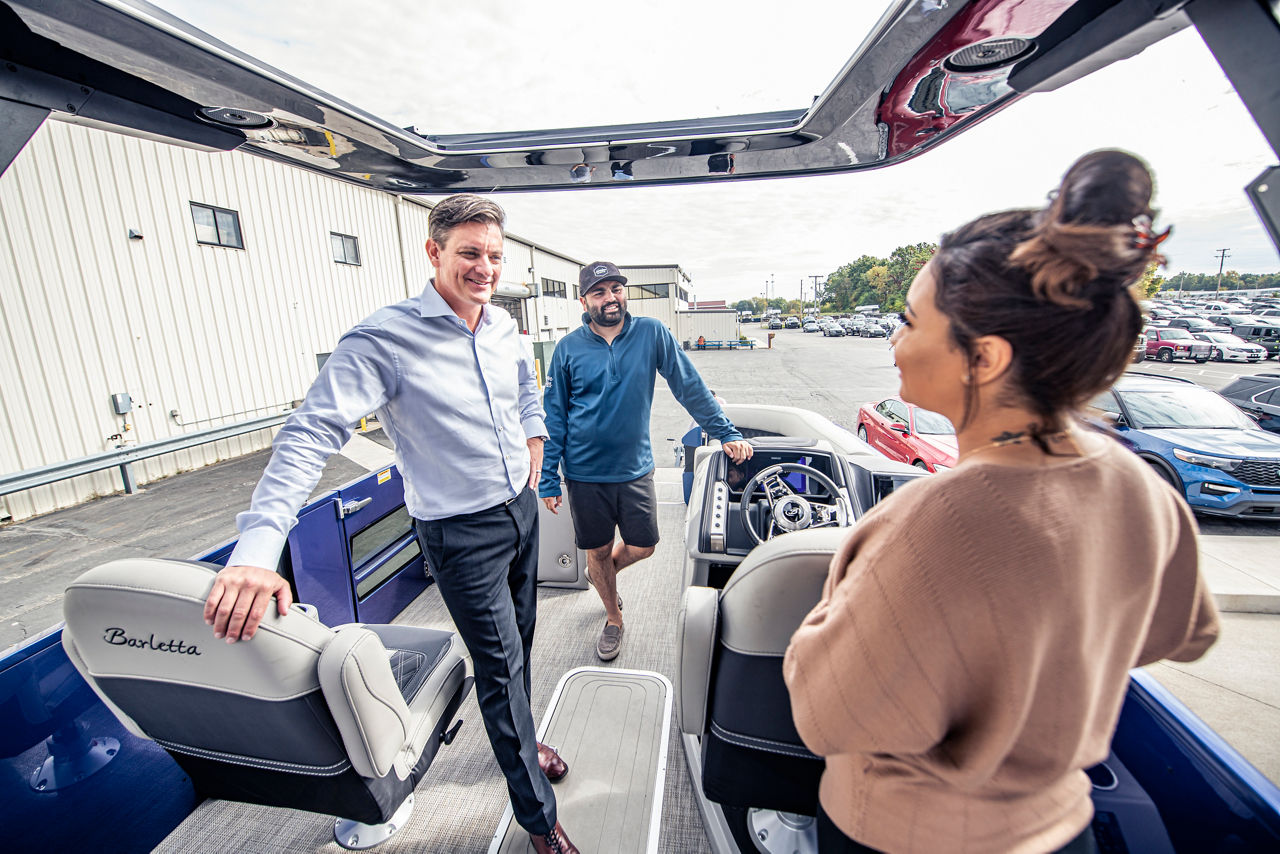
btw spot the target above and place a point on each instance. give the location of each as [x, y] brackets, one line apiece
[1102, 777]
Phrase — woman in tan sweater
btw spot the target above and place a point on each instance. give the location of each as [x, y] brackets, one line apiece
[971, 650]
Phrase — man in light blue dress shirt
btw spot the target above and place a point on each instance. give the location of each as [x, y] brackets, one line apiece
[455, 391]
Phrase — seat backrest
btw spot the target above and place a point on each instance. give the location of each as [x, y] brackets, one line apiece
[753, 755]
[135, 629]
[761, 606]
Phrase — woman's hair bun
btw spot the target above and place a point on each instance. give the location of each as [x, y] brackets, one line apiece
[1084, 245]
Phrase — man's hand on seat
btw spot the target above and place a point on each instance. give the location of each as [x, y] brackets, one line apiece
[240, 598]
[739, 450]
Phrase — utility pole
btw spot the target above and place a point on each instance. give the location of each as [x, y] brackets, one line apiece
[1222, 259]
[817, 295]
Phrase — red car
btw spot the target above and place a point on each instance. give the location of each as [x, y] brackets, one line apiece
[908, 434]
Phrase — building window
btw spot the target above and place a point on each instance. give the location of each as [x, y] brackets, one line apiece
[346, 249]
[217, 226]
[553, 288]
[648, 291]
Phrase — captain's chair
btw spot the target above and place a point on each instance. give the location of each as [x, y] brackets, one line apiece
[340, 721]
[730, 674]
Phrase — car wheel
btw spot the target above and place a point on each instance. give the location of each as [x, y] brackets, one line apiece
[862, 433]
[1215, 354]
[920, 465]
[1201, 361]
[1165, 355]
[1167, 474]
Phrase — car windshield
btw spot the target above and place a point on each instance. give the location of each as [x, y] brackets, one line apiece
[1175, 335]
[1189, 407]
[1223, 338]
[933, 424]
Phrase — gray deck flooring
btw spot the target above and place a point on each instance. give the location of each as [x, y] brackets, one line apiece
[460, 802]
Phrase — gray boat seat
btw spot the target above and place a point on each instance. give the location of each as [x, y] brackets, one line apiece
[731, 690]
[340, 721]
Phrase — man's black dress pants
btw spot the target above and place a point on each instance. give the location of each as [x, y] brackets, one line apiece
[485, 565]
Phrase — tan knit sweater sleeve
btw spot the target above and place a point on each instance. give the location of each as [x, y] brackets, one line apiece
[1185, 622]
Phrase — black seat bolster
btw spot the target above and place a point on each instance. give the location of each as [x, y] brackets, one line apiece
[415, 652]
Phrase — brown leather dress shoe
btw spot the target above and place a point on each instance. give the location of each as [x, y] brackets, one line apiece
[555, 842]
[551, 764]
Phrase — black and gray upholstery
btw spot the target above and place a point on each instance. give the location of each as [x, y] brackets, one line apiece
[730, 674]
[341, 721]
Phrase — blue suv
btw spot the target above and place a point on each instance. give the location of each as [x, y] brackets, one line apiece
[1198, 441]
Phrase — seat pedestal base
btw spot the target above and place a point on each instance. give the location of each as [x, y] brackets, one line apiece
[355, 836]
[783, 832]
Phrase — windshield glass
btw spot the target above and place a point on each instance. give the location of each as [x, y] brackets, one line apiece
[1182, 407]
[1175, 335]
[933, 423]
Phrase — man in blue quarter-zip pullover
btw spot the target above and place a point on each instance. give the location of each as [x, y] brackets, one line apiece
[597, 400]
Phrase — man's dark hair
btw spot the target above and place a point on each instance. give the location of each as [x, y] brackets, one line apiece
[462, 208]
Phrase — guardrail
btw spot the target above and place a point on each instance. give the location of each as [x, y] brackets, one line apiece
[123, 457]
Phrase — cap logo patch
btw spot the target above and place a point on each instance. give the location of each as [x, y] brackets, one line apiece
[600, 271]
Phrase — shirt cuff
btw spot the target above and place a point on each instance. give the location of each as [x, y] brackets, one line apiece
[258, 547]
[534, 428]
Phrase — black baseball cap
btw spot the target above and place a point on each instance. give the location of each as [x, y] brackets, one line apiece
[597, 272]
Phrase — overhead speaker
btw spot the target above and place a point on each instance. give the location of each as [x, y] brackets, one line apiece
[988, 55]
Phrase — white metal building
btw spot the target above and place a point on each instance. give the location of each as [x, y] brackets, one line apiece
[206, 287]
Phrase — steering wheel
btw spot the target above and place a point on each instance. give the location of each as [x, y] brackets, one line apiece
[789, 510]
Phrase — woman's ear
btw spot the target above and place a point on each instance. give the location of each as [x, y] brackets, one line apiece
[991, 360]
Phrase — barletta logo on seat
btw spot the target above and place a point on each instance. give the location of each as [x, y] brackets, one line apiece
[118, 637]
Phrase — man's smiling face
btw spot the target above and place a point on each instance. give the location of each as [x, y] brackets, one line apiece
[468, 265]
[606, 303]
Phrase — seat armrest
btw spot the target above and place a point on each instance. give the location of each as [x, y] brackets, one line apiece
[360, 689]
[699, 614]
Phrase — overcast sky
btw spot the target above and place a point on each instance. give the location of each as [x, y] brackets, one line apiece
[487, 65]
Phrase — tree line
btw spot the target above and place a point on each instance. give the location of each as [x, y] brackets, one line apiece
[884, 282]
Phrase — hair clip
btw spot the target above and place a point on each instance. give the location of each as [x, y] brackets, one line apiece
[1144, 237]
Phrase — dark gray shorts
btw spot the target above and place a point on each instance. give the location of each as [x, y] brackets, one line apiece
[597, 508]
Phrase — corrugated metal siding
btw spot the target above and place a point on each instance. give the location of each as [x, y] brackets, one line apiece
[218, 334]
[653, 275]
[554, 317]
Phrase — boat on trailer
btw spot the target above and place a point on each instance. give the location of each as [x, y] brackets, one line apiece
[663, 756]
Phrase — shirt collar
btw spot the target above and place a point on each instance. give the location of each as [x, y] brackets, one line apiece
[431, 304]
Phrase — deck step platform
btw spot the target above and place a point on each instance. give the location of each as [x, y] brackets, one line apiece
[611, 727]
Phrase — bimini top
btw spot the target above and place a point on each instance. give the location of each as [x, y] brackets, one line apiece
[927, 70]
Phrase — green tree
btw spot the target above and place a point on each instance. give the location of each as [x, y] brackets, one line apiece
[1149, 285]
[745, 305]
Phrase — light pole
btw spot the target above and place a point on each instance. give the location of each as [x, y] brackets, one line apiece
[1222, 259]
[817, 296]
